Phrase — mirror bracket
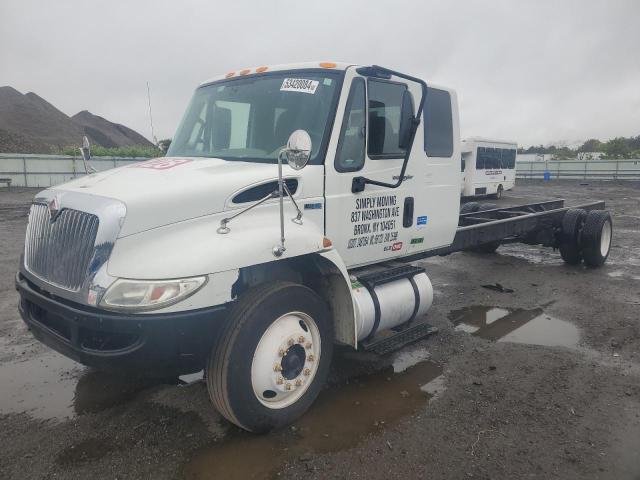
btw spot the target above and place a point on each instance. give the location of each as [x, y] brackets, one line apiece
[357, 184]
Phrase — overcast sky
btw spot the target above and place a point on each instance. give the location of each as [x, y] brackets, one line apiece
[532, 71]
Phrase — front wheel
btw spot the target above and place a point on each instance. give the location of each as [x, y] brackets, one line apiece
[272, 358]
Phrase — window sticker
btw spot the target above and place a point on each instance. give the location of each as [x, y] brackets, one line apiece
[299, 85]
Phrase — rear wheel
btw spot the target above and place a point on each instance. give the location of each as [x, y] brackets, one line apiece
[487, 206]
[469, 207]
[570, 233]
[596, 237]
[272, 358]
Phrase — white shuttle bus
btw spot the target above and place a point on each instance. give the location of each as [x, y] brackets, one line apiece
[488, 167]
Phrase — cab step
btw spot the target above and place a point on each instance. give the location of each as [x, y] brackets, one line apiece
[372, 279]
[392, 340]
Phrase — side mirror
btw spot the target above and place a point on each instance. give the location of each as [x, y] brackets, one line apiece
[406, 120]
[298, 149]
[85, 150]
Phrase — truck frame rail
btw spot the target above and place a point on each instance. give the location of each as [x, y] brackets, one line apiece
[532, 223]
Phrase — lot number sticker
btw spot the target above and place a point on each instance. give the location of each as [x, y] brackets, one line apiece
[299, 85]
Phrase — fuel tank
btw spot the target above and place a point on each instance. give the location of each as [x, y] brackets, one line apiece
[398, 301]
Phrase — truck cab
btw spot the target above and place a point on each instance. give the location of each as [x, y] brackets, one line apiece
[267, 233]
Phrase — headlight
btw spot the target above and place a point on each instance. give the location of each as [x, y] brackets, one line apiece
[149, 294]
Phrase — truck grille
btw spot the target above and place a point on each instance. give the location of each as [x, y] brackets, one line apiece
[59, 251]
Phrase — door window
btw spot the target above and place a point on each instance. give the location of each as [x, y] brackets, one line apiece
[438, 130]
[351, 146]
[385, 105]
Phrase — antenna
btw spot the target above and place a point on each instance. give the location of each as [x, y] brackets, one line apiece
[155, 140]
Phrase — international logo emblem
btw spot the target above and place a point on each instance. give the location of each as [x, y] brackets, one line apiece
[54, 208]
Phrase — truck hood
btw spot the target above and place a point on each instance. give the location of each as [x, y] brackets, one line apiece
[167, 190]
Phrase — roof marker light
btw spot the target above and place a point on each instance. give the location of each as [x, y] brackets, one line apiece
[327, 65]
[230, 74]
[261, 69]
[245, 71]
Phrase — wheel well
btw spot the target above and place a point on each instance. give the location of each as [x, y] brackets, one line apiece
[316, 272]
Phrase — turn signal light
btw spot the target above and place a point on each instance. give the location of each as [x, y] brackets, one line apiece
[326, 243]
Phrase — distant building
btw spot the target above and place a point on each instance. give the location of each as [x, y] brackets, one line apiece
[590, 155]
[533, 157]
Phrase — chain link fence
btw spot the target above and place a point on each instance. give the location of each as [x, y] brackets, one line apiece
[580, 169]
[22, 170]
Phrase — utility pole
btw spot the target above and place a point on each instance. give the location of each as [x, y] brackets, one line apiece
[153, 136]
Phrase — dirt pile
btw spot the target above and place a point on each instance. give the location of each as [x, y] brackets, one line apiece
[30, 124]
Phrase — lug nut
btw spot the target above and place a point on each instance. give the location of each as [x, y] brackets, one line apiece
[277, 367]
[290, 342]
[298, 382]
[307, 371]
[310, 358]
[301, 339]
[287, 386]
[279, 380]
[308, 345]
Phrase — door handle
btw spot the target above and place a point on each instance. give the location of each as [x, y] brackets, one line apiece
[407, 215]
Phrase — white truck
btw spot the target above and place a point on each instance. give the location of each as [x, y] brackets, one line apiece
[284, 219]
[488, 167]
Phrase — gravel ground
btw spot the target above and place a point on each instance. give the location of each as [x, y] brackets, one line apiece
[542, 382]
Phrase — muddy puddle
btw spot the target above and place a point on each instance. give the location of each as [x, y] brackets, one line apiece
[342, 416]
[51, 386]
[622, 275]
[532, 327]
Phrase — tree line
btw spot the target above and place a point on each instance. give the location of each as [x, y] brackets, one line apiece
[619, 147]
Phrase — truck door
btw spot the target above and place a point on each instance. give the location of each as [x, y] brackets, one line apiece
[382, 223]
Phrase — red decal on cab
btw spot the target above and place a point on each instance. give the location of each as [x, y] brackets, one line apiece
[396, 246]
[161, 163]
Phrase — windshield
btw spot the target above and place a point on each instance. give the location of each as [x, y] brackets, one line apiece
[250, 119]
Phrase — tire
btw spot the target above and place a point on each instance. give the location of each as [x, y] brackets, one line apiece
[486, 248]
[265, 331]
[596, 238]
[486, 206]
[570, 232]
[469, 207]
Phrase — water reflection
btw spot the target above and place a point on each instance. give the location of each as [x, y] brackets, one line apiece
[340, 418]
[51, 386]
[517, 326]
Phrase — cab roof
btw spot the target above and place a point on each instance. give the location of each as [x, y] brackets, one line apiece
[487, 140]
[276, 68]
[341, 66]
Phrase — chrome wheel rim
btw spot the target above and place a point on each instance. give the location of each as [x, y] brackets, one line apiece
[285, 361]
[605, 239]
